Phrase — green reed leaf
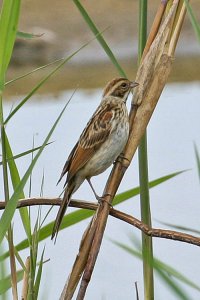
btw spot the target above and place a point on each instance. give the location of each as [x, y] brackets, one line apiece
[5, 283]
[12, 203]
[41, 83]
[24, 153]
[100, 38]
[193, 20]
[166, 272]
[8, 27]
[26, 35]
[15, 178]
[33, 71]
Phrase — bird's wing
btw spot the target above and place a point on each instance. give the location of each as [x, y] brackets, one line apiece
[66, 166]
[95, 133]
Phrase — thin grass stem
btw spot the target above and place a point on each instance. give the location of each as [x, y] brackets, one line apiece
[147, 250]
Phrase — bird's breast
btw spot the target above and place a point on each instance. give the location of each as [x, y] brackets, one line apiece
[109, 150]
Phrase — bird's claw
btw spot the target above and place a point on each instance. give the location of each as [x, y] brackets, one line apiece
[120, 158]
[101, 200]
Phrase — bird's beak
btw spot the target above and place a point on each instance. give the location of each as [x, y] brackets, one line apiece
[133, 84]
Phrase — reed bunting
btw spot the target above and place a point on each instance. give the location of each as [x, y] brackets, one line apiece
[100, 143]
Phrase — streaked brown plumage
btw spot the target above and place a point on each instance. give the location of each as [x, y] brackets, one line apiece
[100, 143]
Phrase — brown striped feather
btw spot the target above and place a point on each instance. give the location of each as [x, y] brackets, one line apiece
[93, 136]
[96, 131]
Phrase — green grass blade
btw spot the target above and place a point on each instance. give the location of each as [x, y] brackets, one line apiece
[20, 260]
[5, 283]
[133, 192]
[26, 35]
[178, 291]
[6, 195]
[39, 275]
[15, 178]
[24, 153]
[147, 241]
[82, 214]
[181, 228]
[167, 268]
[12, 203]
[100, 38]
[193, 20]
[33, 259]
[164, 272]
[8, 28]
[3, 267]
[41, 83]
[197, 159]
[172, 272]
[30, 177]
[4, 156]
[33, 71]
[42, 185]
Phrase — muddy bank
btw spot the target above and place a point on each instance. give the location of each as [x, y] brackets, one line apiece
[64, 31]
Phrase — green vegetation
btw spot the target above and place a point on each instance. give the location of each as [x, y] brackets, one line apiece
[31, 268]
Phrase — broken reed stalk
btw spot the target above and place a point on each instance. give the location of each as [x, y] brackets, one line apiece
[152, 76]
[155, 27]
[154, 232]
[177, 30]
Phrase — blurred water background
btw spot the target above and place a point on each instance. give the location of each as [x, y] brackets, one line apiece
[171, 135]
[172, 132]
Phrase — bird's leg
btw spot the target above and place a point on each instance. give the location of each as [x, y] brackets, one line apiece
[99, 199]
[90, 183]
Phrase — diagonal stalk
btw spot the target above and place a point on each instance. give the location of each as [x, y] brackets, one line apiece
[147, 249]
[152, 76]
[6, 193]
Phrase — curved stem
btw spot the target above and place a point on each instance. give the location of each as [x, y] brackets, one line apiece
[153, 232]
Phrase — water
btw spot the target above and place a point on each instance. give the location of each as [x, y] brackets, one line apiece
[172, 132]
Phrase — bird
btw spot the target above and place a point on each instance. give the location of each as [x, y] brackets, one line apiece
[100, 143]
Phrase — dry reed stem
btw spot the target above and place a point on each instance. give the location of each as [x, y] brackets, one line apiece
[155, 27]
[146, 71]
[79, 264]
[100, 223]
[25, 279]
[12, 264]
[175, 19]
[154, 232]
[177, 30]
[152, 76]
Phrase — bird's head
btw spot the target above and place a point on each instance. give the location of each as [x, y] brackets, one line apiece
[119, 87]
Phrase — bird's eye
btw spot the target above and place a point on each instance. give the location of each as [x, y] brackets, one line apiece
[124, 85]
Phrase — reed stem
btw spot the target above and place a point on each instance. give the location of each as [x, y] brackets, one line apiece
[147, 248]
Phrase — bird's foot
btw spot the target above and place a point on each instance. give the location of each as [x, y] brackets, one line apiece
[101, 200]
[120, 158]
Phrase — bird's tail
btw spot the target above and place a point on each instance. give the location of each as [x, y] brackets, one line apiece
[65, 202]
